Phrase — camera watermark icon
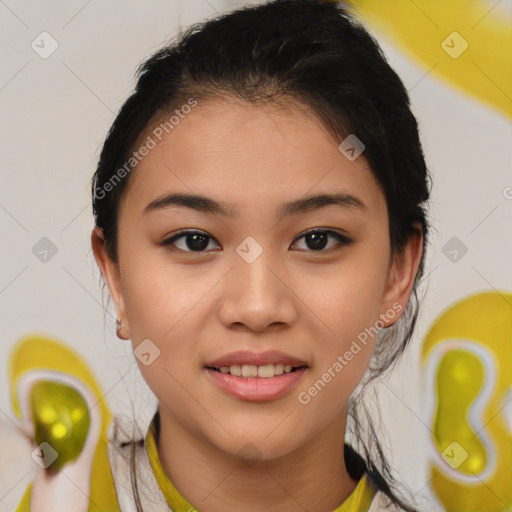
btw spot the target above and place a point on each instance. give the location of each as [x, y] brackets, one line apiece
[44, 250]
[249, 250]
[44, 455]
[454, 45]
[351, 147]
[44, 45]
[507, 192]
[146, 352]
[454, 249]
[454, 454]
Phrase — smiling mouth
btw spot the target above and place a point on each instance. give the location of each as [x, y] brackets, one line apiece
[251, 370]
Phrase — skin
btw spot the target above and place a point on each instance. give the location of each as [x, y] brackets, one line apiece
[198, 306]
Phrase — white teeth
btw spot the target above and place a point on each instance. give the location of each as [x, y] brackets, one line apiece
[251, 370]
[266, 371]
[278, 369]
[235, 369]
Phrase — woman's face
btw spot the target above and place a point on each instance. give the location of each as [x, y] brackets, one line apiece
[252, 281]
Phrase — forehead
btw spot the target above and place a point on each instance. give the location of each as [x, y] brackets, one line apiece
[248, 156]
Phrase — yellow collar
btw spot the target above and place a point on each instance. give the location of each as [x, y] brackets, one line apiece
[358, 501]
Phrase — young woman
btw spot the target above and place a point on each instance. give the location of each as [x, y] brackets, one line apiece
[260, 223]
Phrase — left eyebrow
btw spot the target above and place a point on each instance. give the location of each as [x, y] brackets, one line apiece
[206, 204]
[309, 203]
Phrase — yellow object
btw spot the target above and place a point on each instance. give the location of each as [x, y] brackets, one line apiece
[173, 497]
[467, 361]
[61, 419]
[463, 42]
[33, 353]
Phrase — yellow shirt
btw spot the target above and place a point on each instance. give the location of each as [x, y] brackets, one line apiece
[358, 501]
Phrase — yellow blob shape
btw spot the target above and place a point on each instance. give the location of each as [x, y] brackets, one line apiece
[471, 385]
[34, 352]
[464, 42]
[460, 376]
[66, 437]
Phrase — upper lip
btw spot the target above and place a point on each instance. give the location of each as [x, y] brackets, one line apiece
[242, 357]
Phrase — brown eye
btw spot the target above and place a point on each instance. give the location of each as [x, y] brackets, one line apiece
[316, 240]
[191, 241]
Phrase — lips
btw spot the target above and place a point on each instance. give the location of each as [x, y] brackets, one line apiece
[256, 389]
[256, 376]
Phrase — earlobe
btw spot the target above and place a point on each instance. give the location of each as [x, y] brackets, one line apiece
[402, 275]
[110, 272]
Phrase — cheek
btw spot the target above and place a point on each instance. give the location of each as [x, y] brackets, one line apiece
[159, 296]
[344, 310]
[346, 300]
[167, 315]
[162, 307]
[344, 343]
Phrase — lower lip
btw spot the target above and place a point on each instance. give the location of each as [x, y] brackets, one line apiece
[256, 389]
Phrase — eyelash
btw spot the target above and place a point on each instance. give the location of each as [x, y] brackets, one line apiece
[342, 239]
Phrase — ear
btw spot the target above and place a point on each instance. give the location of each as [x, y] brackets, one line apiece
[110, 271]
[401, 276]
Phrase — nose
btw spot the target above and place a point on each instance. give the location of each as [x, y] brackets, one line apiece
[257, 296]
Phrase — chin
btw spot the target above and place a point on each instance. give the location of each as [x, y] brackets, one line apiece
[249, 448]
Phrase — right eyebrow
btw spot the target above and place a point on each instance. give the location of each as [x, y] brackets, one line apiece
[196, 202]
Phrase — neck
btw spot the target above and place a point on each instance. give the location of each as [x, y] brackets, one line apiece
[312, 477]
